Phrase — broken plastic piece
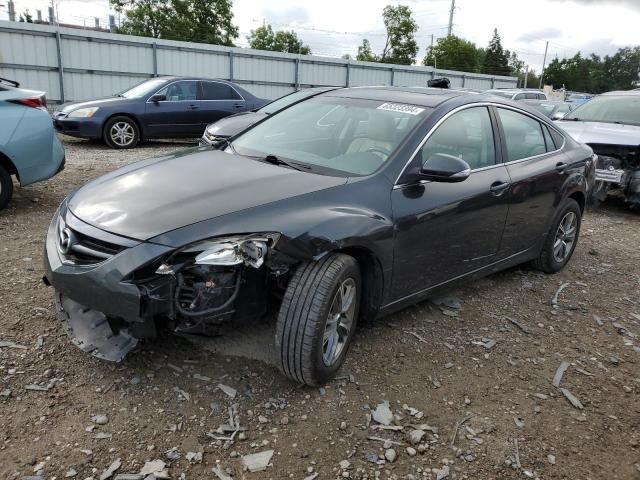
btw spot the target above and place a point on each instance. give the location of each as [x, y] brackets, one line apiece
[90, 331]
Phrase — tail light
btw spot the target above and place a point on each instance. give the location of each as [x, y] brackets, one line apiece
[34, 102]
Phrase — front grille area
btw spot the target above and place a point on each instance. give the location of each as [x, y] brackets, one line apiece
[79, 249]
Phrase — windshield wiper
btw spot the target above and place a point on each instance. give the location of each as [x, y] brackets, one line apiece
[279, 161]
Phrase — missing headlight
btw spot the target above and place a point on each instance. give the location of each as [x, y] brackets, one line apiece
[204, 291]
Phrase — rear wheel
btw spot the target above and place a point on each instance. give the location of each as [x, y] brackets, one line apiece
[6, 187]
[317, 318]
[562, 238]
[121, 132]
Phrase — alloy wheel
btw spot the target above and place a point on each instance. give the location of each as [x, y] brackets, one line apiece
[339, 321]
[122, 133]
[565, 237]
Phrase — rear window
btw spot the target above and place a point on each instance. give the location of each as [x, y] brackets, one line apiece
[218, 91]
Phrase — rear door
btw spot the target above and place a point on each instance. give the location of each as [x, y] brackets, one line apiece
[177, 115]
[219, 100]
[445, 230]
[538, 170]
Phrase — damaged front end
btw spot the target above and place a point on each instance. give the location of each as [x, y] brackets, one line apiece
[218, 280]
[111, 294]
[617, 172]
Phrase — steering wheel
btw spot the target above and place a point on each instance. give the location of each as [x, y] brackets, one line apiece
[380, 151]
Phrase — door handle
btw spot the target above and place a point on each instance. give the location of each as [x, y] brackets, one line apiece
[193, 107]
[498, 188]
[561, 167]
[236, 106]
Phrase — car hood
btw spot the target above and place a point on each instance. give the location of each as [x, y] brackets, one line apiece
[148, 198]
[598, 132]
[229, 126]
[68, 107]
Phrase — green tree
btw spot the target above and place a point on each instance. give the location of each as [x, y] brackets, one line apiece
[264, 38]
[515, 64]
[365, 54]
[204, 21]
[400, 46]
[496, 61]
[452, 53]
[26, 17]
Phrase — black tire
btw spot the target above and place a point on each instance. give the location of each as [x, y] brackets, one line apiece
[304, 314]
[126, 126]
[547, 260]
[6, 187]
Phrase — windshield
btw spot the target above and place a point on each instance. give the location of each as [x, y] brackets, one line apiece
[283, 102]
[333, 135]
[609, 109]
[144, 88]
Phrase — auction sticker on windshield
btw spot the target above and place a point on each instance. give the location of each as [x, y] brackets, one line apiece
[401, 107]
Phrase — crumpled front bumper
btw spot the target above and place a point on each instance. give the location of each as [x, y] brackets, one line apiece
[98, 305]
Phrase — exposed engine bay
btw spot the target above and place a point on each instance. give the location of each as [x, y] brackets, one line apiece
[617, 172]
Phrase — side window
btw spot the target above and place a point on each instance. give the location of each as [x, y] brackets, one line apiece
[467, 134]
[531, 96]
[548, 139]
[523, 135]
[218, 91]
[542, 96]
[558, 139]
[519, 96]
[180, 91]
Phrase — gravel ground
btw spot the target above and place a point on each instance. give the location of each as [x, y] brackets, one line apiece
[469, 389]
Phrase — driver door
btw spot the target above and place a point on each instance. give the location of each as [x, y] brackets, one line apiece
[445, 230]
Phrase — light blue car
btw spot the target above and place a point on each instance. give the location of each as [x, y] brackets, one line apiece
[29, 146]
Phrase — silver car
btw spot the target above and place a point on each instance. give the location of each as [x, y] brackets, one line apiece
[610, 125]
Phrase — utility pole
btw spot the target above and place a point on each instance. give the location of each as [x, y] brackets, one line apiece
[544, 62]
[526, 76]
[453, 7]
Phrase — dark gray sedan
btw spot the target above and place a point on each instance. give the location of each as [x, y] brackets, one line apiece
[230, 126]
[164, 107]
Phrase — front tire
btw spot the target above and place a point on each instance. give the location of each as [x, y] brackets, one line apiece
[317, 318]
[562, 238]
[6, 187]
[121, 132]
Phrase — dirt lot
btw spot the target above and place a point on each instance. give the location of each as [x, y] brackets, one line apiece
[485, 410]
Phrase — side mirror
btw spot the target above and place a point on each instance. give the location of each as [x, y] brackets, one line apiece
[557, 116]
[158, 98]
[441, 167]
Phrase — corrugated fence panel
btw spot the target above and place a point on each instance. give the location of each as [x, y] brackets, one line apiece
[411, 79]
[270, 92]
[319, 74]
[28, 49]
[197, 64]
[88, 85]
[361, 76]
[100, 63]
[80, 54]
[478, 83]
[264, 69]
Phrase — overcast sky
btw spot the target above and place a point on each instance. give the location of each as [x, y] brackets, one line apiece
[336, 27]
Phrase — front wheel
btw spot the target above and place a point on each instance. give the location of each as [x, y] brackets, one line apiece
[121, 132]
[562, 238]
[317, 318]
[6, 187]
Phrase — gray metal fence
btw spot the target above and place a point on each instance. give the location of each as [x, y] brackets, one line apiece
[74, 64]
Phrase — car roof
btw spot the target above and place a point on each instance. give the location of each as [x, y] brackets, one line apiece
[421, 96]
